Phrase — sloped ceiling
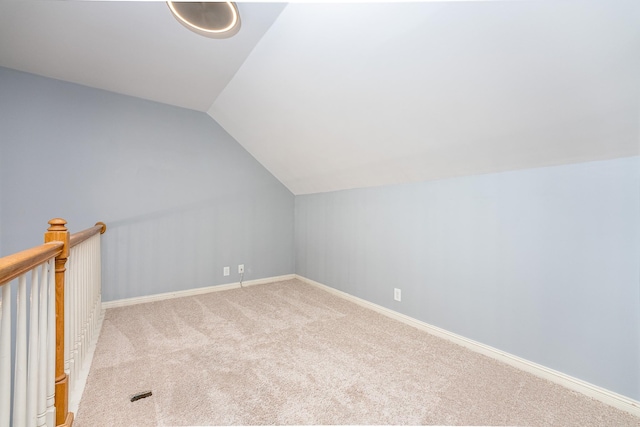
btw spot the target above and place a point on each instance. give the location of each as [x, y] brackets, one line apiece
[345, 95]
[128, 47]
[339, 96]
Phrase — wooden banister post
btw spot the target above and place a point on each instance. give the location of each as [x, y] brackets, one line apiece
[57, 232]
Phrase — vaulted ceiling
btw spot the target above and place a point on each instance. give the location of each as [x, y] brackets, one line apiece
[334, 96]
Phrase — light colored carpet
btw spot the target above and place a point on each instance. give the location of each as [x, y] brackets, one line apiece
[290, 353]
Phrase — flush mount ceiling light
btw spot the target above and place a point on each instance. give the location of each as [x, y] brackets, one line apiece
[217, 20]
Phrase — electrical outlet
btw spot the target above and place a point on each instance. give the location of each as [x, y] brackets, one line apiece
[240, 268]
[225, 271]
[397, 294]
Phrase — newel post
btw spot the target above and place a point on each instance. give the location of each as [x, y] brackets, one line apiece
[57, 232]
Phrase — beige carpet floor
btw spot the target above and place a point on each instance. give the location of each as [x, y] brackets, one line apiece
[289, 353]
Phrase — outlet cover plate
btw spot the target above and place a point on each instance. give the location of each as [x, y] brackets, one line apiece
[397, 294]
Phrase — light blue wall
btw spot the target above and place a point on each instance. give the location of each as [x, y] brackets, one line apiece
[180, 197]
[541, 263]
[1, 156]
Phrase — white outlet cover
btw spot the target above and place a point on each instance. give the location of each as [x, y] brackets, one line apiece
[397, 294]
[226, 271]
[240, 268]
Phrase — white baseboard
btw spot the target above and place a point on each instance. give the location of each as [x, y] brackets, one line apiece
[603, 395]
[190, 292]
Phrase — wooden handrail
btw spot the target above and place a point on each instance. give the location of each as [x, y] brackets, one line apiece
[19, 263]
[81, 236]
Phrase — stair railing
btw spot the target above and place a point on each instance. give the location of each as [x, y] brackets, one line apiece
[83, 290]
[40, 393]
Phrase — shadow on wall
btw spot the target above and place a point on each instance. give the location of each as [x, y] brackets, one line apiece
[187, 247]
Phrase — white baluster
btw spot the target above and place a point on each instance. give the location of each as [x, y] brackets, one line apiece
[68, 324]
[92, 289]
[89, 286]
[5, 355]
[77, 311]
[51, 347]
[34, 339]
[97, 280]
[85, 302]
[20, 379]
[80, 307]
[96, 285]
[79, 285]
[41, 406]
[68, 317]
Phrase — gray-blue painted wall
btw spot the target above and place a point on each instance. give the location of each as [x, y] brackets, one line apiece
[541, 263]
[180, 197]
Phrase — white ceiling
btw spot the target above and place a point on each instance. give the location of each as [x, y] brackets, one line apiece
[128, 47]
[344, 95]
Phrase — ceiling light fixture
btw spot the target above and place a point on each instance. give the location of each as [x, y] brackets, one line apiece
[217, 20]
